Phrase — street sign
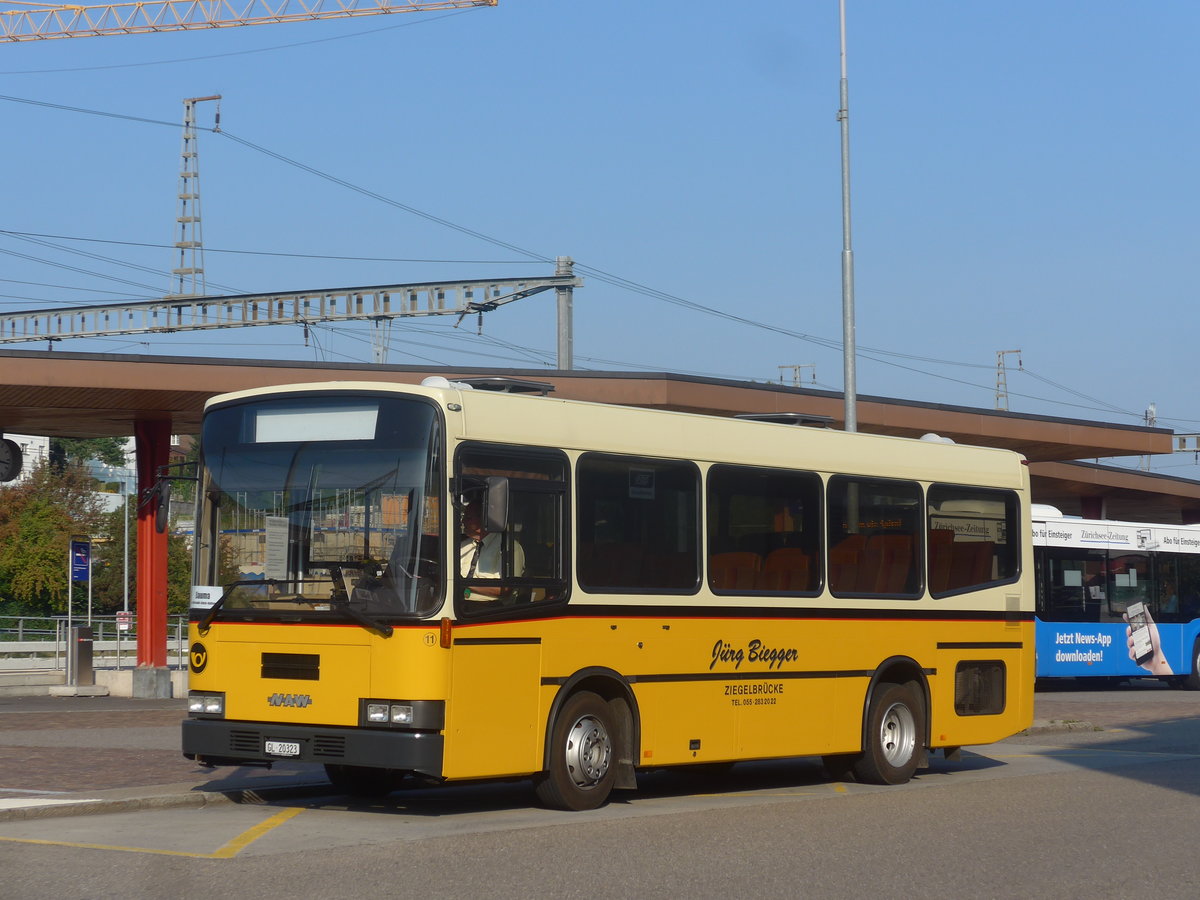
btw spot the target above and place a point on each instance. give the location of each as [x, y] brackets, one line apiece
[81, 556]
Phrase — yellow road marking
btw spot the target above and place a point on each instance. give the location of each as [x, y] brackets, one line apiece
[248, 837]
[228, 851]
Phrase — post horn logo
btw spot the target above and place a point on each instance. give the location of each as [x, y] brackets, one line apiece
[197, 657]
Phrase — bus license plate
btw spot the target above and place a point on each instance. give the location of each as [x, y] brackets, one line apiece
[283, 748]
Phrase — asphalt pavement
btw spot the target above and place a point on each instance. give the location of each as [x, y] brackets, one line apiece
[74, 755]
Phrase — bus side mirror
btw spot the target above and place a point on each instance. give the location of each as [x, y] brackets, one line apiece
[163, 514]
[495, 499]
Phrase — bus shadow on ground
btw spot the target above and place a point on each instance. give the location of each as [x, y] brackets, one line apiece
[786, 777]
[1163, 753]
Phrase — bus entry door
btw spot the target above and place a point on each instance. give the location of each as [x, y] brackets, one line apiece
[492, 716]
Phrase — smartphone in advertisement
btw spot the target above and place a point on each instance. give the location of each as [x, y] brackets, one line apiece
[1139, 624]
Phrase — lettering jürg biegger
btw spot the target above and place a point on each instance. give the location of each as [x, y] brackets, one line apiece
[754, 652]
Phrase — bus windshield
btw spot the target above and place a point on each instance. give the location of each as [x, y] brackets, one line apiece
[320, 507]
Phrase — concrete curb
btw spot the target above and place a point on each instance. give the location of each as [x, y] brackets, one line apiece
[161, 797]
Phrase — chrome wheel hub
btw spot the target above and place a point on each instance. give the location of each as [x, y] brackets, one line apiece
[589, 752]
[898, 734]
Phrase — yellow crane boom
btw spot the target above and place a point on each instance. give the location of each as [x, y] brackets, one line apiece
[21, 20]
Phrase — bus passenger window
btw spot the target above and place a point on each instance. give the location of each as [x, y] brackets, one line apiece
[874, 536]
[763, 531]
[972, 538]
[638, 524]
[521, 567]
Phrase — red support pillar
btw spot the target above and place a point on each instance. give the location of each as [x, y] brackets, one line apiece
[152, 445]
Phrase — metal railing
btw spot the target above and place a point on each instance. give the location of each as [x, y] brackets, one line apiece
[30, 643]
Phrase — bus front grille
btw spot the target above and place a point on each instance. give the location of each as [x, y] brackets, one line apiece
[245, 742]
[292, 666]
[328, 746]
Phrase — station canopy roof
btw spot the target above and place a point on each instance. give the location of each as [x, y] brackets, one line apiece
[64, 394]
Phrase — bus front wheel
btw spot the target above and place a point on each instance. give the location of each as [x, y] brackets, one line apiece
[581, 768]
[895, 725]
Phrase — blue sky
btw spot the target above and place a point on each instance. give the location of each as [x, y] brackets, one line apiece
[1024, 178]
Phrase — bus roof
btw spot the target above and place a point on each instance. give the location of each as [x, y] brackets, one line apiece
[575, 425]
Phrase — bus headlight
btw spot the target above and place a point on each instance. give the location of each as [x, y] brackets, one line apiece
[422, 715]
[390, 713]
[206, 703]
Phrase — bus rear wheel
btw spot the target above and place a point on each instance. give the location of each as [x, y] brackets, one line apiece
[581, 768]
[895, 725]
[1191, 681]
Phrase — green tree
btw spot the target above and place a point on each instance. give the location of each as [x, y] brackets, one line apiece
[39, 515]
[108, 564]
[108, 561]
[37, 518]
[65, 451]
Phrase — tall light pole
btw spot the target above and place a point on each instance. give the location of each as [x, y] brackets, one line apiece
[127, 476]
[848, 343]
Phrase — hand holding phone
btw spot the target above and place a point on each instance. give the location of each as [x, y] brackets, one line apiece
[1140, 645]
[1141, 636]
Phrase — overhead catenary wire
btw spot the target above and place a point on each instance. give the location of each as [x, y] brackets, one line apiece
[1081, 395]
[68, 287]
[595, 272]
[278, 253]
[70, 268]
[878, 355]
[112, 260]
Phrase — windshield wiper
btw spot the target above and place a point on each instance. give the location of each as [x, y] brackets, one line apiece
[203, 624]
[342, 604]
[360, 617]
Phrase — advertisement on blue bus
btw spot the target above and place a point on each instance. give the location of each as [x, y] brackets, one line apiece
[1117, 599]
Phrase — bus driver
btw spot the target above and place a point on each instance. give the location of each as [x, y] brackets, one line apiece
[481, 554]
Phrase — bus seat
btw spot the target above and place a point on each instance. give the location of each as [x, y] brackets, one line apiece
[971, 563]
[899, 564]
[870, 567]
[764, 542]
[941, 552]
[734, 571]
[885, 564]
[844, 562]
[786, 569]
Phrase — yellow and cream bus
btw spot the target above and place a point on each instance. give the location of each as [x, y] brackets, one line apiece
[456, 583]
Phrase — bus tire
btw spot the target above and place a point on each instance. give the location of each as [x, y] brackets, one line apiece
[895, 725]
[1191, 681]
[582, 765]
[363, 781]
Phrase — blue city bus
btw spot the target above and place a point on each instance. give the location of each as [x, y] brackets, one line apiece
[1098, 580]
